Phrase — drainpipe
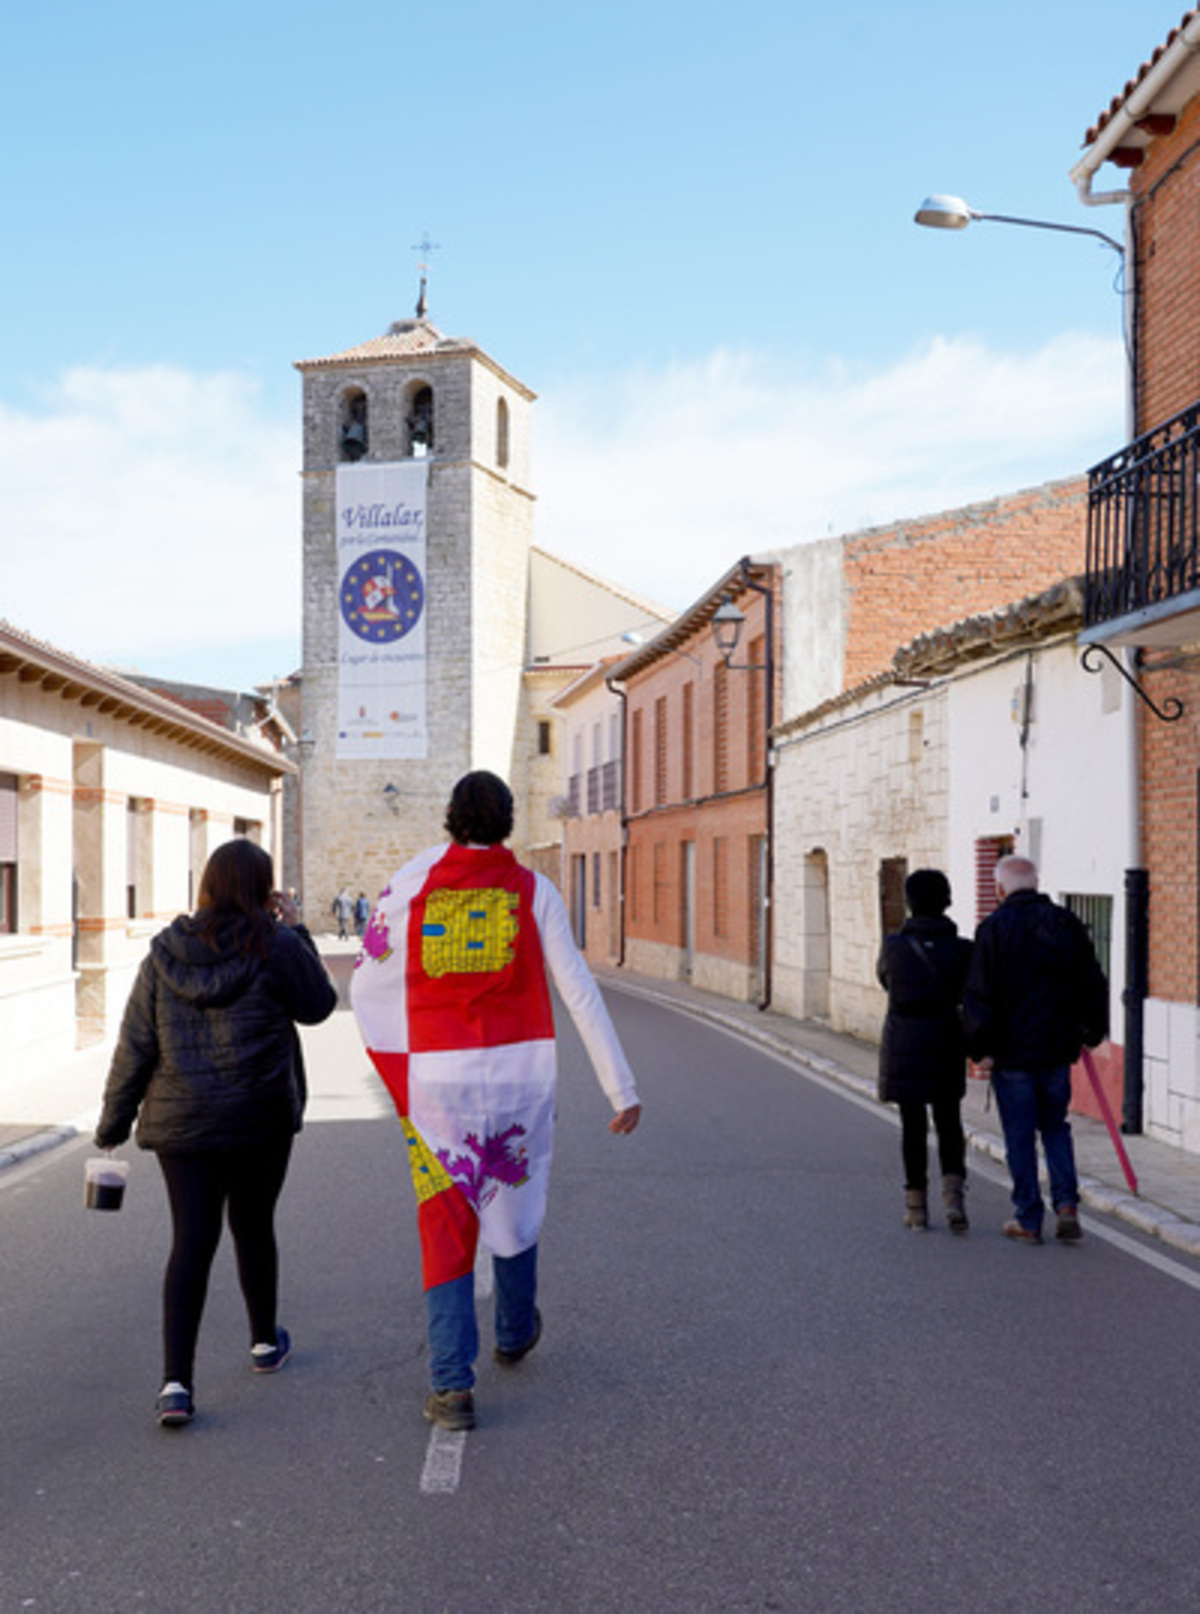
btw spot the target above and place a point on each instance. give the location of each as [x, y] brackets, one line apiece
[619, 691]
[768, 594]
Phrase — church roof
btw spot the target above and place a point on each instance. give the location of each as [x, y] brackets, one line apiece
[411, 339]
[405, 339]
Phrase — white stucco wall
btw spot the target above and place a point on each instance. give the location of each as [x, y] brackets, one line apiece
[922, 774]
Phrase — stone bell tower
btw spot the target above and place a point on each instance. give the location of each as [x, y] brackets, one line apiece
[418, 519]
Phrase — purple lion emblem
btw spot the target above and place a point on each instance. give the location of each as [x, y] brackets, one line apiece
[496, 1162]
[377, 943]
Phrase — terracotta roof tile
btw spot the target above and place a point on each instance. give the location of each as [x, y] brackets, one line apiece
[1119, 99]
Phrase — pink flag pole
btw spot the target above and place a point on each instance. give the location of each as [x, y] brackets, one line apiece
[1089, 1064]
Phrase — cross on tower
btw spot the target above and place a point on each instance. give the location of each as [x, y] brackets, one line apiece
[424, 246]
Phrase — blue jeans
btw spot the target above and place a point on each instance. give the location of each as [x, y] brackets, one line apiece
[1033, 1101]
[454, 1331]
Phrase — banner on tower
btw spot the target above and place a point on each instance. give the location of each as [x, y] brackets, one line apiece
[381, 611]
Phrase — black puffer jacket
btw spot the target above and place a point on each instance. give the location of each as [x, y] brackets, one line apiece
[1035, 993]
[208, 1056]
[922, 1054]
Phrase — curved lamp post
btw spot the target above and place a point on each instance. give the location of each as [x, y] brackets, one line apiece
[952, 213]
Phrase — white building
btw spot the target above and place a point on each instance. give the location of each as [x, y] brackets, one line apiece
[987, 737]
[111, 799]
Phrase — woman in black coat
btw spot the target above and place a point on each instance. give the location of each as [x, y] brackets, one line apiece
[209, 1063]
[922, 1058]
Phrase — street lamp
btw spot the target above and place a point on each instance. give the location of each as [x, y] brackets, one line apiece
[952, 213]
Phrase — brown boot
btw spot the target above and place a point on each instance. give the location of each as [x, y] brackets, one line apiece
[916, 1209]
[952, 1199]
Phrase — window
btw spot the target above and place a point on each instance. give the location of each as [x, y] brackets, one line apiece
[635, 760]
[720, 727]
[8, 853]
[756, 733]
[720, 877]
[353, 437]
[502, 433]
[893, 871]
[688, 785]
[543, 738]
[660, 751]
[988, 852]
[131, 858]
[660, 882]
[1096, 913]
[596, 878]
[419, 422]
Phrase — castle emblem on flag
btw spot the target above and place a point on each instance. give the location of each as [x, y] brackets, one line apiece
[382, 596]
[468, 932]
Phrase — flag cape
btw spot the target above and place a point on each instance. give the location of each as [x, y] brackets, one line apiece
[451, 995]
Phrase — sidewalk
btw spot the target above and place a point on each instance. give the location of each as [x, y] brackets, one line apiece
[40, 1115]
[1167, 1205]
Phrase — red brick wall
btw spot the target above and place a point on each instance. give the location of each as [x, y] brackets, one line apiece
[907, 579]
[1166, 189]
[696, 810]
[1170, 762]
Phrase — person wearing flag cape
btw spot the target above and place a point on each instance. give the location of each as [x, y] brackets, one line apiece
[451, 992]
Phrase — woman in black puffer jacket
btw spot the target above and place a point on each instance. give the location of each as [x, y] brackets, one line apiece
[922, 1057]
[209, 1064]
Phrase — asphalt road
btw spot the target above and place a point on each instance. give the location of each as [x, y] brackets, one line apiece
[756, 1390]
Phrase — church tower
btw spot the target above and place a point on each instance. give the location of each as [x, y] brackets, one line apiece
[418, 520]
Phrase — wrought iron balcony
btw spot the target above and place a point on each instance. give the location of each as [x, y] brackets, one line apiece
[1143, 540]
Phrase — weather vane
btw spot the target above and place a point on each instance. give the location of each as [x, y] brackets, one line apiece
[424, 246]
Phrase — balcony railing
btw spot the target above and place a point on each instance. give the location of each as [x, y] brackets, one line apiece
[1143, 542]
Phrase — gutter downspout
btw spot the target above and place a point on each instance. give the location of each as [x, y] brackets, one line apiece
[619, 691]
[768, 594]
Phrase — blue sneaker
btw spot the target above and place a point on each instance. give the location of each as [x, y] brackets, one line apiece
[270, 1361]
[175, 1406]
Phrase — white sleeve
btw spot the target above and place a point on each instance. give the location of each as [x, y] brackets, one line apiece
[577, 987]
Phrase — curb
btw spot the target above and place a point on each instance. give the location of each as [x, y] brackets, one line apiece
[13, 1154]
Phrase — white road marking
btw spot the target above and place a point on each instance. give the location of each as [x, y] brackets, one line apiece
[444, 1454]
[443, 1462]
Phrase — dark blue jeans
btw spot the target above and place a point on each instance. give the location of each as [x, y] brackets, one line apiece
[454, 1331]
[1032, 1102]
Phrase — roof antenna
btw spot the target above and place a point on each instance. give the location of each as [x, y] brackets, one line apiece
[424, 246]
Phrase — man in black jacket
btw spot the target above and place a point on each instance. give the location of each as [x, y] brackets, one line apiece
[1035, 995]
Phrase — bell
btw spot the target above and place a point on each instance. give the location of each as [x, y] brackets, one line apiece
[354, 439]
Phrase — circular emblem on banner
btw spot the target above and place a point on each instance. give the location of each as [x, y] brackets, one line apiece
[382, 596]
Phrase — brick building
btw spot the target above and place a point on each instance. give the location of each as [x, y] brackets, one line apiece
[1143, 603]
[697, 802]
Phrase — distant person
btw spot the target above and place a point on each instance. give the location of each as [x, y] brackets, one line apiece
[362, 912]
[209, 1063]
[452, 999]
[923, 1055]
[343, 912]
[1035, 995]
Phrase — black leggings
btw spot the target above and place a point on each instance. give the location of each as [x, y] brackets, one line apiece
[914, 1125]
[199, 1186]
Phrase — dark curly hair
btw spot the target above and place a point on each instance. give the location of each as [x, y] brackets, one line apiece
[480, 811]
[927, 892]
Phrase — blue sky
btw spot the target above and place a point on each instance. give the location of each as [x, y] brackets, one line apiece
[687, 226]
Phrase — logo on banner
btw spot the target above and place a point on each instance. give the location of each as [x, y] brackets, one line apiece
[382, 596]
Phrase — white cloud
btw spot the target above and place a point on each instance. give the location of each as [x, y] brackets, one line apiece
[154, 515]
[661, 481]
[149, 512]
